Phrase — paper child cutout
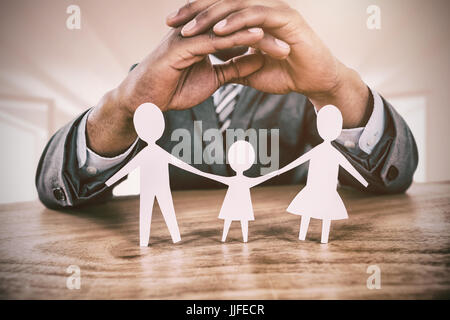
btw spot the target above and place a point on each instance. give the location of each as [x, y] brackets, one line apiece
[153, 161]
[237, 205]
[320, 199]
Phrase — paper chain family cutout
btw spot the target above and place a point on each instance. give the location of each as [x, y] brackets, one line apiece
[318, 199]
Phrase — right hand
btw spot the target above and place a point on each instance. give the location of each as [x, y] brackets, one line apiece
[178, 74]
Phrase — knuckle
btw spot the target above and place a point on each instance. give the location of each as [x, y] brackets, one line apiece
[203, 15]
[234, 4]
[188, 7]
[184, 11]
[282, 4]
[259, 9]
[293, 13]
[231, 2]
[235, 41]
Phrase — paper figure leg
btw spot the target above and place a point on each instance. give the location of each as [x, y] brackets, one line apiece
[145, 219]
[244, 226]
[304, 224]
[165, 202]
[226, 227]
[325, 230]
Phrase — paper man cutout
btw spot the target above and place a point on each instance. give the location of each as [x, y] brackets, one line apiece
[237, 205]
[319, 199]
[153, 160]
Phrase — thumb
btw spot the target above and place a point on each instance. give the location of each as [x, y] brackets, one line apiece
[237, 69]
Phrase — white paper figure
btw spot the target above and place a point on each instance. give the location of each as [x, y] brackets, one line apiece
[237, 205]
[320, 199]
[153, 161]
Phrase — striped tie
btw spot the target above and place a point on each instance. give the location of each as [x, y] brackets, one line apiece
[225, 101]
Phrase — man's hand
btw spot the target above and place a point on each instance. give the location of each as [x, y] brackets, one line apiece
[295, 58]
[177, 75]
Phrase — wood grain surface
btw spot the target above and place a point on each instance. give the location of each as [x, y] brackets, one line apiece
[407, 236]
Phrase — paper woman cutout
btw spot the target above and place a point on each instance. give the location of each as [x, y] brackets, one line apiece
[237, 205]
[153, 161]
[320, 199]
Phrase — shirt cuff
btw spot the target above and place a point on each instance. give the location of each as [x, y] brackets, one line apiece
[366, 138]
[91, 162]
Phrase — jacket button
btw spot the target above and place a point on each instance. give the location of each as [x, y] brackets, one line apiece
[59, 194]
[392, 173]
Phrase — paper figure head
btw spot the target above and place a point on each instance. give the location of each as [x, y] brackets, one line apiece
[329, 123]
[241, 156]
[149, 122]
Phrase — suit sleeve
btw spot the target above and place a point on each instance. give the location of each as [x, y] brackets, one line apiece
[390, 166]
[59, 180]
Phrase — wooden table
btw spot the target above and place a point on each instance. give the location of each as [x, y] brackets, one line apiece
[406, 236]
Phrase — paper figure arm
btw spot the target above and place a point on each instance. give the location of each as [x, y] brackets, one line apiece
[259, 180]
[126, 169]
[183, 165]
[350, 169]
[292, 165]
[304, 158]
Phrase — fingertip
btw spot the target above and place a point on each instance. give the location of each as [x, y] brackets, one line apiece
[283, 45]
[171, 18]
[173, 14]
[188, 29]
[256, 30]
[170, 23]
[256, 33]
[219, 26]
[284, 49]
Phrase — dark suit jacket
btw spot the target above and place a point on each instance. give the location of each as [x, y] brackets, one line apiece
[388, 169]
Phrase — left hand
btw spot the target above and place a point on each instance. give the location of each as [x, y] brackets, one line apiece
[295, 58]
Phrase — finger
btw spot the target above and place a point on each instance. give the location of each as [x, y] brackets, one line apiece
[188, 12]
[205, 19]
[258, 80]
[237, 69]
[274, 47]
[195, 48]
[277, 20]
